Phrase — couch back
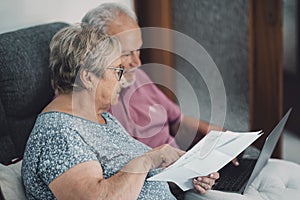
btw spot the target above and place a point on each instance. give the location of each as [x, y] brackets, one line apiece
[24, 84]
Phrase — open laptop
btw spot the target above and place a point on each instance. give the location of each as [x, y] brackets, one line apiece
[238, 178]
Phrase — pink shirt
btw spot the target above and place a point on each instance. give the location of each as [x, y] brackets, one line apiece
[146, 113]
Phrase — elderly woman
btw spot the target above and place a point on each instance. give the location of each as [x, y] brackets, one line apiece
[76, 149]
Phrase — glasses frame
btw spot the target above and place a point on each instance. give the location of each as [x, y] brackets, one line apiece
[120, 71]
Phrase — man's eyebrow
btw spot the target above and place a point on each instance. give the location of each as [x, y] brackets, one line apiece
[129, 51]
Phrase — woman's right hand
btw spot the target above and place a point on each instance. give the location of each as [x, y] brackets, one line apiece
[163, 156]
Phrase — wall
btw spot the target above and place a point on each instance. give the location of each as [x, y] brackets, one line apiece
[291, 62]
[221, 27]
[15, 14]
[290, 37]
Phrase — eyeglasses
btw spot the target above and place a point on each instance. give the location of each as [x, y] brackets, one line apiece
[119, 70]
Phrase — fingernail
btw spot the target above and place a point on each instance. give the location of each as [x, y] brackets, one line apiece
[199, 178]
[211, 175]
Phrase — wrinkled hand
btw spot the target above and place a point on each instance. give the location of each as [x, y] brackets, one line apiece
[204, 183]
[163, 156]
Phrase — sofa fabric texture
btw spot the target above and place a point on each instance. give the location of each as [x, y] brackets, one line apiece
[278, 180]
[11, 184]
[24, 84]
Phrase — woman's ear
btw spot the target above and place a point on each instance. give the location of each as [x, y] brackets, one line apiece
[86, 79]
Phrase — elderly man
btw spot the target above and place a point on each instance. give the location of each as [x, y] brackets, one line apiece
[145, 112]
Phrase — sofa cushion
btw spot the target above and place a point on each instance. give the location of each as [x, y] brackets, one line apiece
[24, 83]
[278, 180]
[11, 182]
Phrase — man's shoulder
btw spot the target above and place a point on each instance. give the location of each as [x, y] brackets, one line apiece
[142, 76]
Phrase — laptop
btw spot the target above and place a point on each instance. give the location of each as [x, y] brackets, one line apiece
[238, 178]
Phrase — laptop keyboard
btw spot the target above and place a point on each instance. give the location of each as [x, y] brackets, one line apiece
[232, 178]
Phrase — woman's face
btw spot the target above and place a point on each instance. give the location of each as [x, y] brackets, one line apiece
[109, 86]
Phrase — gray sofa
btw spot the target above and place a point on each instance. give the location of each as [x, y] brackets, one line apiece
[24, 85]
[24, 90]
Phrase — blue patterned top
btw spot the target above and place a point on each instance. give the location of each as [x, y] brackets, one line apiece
[60, 141]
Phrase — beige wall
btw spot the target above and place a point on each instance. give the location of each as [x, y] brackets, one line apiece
[15, 14]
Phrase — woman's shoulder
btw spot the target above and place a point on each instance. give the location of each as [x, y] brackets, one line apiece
[50, 117]
[49, 123]
[56, 128]
[60, 120]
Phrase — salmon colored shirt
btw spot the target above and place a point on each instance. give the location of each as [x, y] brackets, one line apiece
[146, 113]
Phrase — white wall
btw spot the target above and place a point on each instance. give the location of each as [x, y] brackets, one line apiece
[16, 14]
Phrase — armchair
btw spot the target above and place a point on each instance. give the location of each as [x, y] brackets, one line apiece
[24, 85]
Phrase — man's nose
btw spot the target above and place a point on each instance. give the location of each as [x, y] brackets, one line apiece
[135, 59]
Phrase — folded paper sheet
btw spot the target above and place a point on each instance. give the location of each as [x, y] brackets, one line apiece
[209, 155]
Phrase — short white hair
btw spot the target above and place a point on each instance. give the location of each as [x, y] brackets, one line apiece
[106, 13]
[77, 47]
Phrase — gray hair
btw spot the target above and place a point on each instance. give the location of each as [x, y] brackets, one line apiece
[78, 47]
[106, 13]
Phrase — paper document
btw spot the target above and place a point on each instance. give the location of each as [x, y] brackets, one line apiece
[209, 155]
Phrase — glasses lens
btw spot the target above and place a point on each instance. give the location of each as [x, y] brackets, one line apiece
[120, 73]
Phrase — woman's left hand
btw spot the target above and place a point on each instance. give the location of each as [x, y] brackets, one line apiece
[204, 183]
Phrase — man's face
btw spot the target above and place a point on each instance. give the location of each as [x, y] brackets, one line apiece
[130, 37]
